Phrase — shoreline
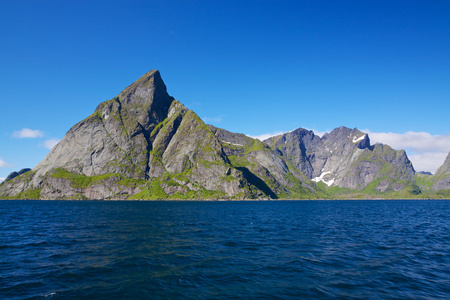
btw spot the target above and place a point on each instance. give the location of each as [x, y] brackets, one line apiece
[231, 200]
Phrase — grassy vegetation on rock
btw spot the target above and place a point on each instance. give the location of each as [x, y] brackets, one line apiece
[80, 181]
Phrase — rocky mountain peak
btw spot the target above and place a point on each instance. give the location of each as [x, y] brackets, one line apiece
[149, 84]
[344, 135]
[116, 137]
[144, 103]
[146, 97]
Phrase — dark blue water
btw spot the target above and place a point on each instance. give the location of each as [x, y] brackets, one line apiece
[223, 250]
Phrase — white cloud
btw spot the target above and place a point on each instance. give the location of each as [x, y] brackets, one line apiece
[428, 161]
[4, 164]
[427, 152]
[265, 136]
[417, 141]
[49, 144]
[2, 179]
[27, 133]
[217, 119]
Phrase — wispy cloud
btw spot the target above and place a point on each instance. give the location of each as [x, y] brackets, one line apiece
[27, 133]
[2, 179]
[4, 164]
[49, 144]
[217, 119]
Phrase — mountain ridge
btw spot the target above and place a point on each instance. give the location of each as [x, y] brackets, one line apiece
[145, 144]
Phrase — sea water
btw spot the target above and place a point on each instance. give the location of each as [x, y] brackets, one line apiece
[225, 250]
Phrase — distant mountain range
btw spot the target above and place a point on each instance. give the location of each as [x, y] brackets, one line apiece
[144, 144]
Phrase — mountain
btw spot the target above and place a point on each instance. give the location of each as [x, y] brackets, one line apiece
[264, 167]
[141, 144]
[345, 158]
[144, 144]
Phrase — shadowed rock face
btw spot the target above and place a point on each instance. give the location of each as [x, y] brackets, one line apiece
[441, 178]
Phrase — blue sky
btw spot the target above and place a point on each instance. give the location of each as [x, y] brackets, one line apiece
[255, 67]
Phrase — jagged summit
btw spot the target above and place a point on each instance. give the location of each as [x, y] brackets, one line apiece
[343, 133]
[149, 85]
[145, 100]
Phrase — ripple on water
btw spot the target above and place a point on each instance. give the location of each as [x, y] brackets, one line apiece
[191, 250]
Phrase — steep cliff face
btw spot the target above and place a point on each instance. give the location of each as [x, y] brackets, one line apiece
[345, 158]
[185, 149]
[379, 168]
[344, 146]
[303, 149]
